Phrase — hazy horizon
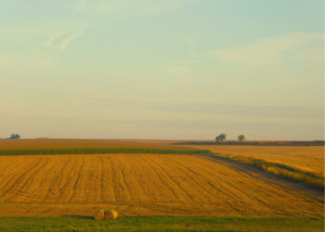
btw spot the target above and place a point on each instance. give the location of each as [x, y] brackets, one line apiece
[163, 69]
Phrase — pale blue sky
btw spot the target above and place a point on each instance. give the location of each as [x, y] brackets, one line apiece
[162, 69]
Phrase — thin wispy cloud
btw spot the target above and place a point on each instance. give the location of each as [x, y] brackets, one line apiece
[193, 54]
[33, 44]
[50, 41]
[112, 10]
[180, 68]
[210, 72]
[175, 123]
[188, 40]
[265, 51]
[61, 39]
[66, 41]
[76, 18]
[267, 111]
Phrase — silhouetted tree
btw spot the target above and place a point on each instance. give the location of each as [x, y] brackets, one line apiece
[222, 136]
[217, 139]
[241, 137]
[14, 136]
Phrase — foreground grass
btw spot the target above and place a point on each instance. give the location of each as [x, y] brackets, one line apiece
[100, 151]
[162, 223]
[312, 179]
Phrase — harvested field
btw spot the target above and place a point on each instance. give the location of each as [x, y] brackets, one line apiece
[146, 184]
[17, 144]
[101, 151]
[253, 143]
[310, 158]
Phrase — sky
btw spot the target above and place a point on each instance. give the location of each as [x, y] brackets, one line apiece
[162, 69]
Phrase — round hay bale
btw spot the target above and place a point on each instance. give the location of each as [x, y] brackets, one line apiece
[110, 214]
[100, 214]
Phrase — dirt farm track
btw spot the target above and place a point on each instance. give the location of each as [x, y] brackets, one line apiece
[146, 184]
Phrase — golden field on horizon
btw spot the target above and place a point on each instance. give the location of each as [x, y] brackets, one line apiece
[16, 144]
[310, 158]
[151, 184]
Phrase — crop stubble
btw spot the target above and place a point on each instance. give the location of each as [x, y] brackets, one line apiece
[310, 158]
[145, 184]
[16, 144]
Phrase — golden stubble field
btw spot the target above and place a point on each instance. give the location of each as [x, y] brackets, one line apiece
[306, 157]
[14, 144]
[146, 184]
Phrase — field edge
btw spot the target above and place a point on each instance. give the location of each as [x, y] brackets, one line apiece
[161, 223]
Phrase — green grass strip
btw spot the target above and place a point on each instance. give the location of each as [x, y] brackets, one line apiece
[100, 151]
[161, 223]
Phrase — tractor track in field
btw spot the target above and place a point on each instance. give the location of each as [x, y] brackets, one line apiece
[146, 184]
[25, 180]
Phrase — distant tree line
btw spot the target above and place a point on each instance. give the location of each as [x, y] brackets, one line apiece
[241, 138]
[14, 136]
[223, 136]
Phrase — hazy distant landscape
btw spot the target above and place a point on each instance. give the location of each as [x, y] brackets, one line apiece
[162, 115]
[190, 185]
